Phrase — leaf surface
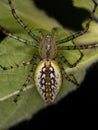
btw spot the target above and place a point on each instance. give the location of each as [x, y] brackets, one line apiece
[12, 52]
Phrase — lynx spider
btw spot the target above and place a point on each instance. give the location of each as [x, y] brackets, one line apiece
[48, 74]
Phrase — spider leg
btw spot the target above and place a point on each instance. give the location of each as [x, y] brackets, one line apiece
[77, 61]
[70, 77]
[73, 36]
[81, 47]
[27, 81]
[21, 22]
[17, 65]
[4, 31]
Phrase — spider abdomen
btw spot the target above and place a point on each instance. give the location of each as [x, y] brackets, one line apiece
[48, 80]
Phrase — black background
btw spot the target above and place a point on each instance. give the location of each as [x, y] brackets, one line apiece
[87, 94]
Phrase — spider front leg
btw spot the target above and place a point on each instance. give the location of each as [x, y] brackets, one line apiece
[77, 61]
[4, 31]
[21, 22]
[73, 36]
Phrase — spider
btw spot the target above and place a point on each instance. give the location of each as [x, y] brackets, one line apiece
[49, 72]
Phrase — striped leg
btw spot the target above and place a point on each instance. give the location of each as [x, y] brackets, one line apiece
[70, 77]
[28, 79]
[17, 37]
[21, 22]
[78, 60]
[17, 65]
[73, 36]
[79, 47]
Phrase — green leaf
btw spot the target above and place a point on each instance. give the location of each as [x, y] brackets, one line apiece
[12, 52]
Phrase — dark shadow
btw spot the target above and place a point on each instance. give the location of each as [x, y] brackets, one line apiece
[65, 12]
[2, 36]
